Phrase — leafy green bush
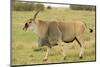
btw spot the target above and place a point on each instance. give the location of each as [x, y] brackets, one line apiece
[82, 7]
[49, 7]
[27, 6]
[39, 7]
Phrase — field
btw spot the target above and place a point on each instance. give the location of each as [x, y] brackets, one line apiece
[24, 44]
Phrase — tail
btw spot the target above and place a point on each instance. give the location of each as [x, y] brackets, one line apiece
[90, 29]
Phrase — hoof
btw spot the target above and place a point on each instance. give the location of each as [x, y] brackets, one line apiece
[81, 57]
[45, 60]
[65, 58]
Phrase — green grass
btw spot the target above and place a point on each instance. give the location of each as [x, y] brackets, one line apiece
[24, 44]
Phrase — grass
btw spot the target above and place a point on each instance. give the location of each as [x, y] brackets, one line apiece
[24, 44]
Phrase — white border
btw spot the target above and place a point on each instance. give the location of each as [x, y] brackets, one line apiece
[90, 2]
[5, 36]
[4, 33]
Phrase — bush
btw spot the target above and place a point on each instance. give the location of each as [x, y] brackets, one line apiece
[49, 7]
[39, 7]
[23, 6]
[27, 6]
[82, 7]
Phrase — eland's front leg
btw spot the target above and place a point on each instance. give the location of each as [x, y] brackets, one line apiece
[47, 53]
[63, 52]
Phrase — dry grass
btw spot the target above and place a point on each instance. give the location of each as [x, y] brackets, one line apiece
[24, 44]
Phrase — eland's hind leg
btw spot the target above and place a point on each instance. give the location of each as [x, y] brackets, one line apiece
[61, 43]
[80, 42]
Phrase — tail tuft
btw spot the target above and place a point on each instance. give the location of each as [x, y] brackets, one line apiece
[91, 30]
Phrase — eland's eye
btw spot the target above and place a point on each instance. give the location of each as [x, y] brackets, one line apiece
[30, 19]
[30, 22]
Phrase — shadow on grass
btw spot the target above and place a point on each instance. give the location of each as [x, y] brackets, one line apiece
[39, 49]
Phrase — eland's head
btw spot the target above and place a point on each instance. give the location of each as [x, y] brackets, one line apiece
[31, 23]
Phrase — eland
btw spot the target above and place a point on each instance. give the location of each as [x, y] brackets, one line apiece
[52, 33]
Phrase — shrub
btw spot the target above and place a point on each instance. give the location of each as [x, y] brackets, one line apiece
[49, 7]
[82, 7]
[27, 6]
